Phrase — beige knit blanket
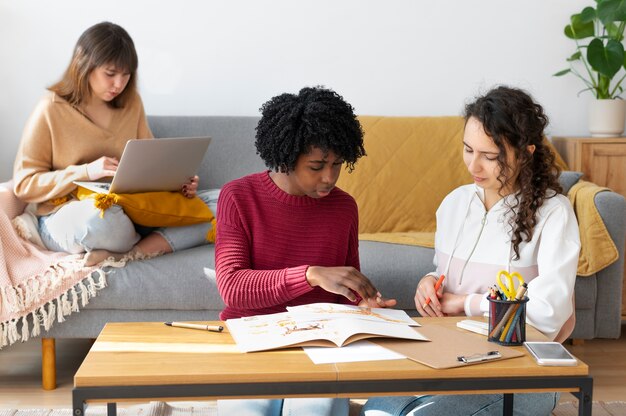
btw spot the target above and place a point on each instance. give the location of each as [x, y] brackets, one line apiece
[37, 287]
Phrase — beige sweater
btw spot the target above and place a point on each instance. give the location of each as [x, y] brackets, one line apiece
[59, 141]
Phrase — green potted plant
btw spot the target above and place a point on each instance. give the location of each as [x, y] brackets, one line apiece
[600, 63]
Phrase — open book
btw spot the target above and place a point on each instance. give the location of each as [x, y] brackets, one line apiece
[320, 324]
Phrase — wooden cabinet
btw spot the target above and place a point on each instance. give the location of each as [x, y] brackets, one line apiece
[603, 162]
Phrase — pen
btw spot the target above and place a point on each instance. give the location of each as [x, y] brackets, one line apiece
[212, 328]
[437, 286]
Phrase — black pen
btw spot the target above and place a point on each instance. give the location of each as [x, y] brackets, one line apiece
[212, 328]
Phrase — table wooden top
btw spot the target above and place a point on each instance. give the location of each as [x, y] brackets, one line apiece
[151, 353]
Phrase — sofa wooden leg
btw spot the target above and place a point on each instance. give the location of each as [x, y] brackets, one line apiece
[48, 364]
[577, 342]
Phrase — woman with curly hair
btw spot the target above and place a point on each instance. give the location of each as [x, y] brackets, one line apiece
[288, 236]
[512, 218]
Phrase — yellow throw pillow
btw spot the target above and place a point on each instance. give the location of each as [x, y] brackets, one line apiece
[154, 209]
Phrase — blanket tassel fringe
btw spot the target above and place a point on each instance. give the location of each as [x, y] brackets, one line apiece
[18, 329]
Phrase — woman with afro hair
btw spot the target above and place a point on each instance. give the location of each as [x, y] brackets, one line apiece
[288, 236]
[514, 218]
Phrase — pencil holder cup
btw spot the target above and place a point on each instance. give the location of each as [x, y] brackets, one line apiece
[507, 321]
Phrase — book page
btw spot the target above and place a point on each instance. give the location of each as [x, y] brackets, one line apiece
[334, 310]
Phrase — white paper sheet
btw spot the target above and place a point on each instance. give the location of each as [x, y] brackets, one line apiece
[357, 351]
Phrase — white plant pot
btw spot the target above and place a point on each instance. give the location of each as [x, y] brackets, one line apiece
[607, 117]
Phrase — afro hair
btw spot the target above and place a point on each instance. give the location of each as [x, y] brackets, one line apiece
[291, 125]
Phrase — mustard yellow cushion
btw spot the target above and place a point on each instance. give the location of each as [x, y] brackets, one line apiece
[412, 163]
[153, 209]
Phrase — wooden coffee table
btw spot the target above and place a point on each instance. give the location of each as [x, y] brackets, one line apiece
[131, 361]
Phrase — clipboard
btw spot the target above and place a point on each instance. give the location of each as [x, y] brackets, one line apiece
[447, 346]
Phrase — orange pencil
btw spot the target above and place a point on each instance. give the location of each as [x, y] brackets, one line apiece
[437, 286]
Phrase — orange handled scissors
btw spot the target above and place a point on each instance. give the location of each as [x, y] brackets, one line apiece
[509, 286]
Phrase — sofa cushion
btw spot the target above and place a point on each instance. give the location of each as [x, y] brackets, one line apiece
[153, 209]
[412, 163]
[395, 269]
[173, 281]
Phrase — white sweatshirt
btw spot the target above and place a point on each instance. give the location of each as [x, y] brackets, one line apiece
[479, 251]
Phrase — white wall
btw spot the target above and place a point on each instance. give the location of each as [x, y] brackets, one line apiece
[227, 57]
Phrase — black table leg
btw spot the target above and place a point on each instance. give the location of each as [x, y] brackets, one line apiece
[507, 408]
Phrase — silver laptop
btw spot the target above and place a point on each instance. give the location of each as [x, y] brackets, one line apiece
[154, 165]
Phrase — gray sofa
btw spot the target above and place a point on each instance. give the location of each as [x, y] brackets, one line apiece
[181, 286]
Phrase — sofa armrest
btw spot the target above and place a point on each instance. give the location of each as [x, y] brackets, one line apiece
[9, 203]
[612, 208]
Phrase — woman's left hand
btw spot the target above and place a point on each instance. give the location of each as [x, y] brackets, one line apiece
[190, 188]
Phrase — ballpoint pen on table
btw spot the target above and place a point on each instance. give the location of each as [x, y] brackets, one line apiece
[212, 328]
[437, 286]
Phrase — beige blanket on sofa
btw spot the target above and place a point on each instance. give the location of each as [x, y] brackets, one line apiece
[412, 163]
[37, 287]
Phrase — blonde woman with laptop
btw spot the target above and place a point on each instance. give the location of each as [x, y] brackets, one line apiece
[77, 132]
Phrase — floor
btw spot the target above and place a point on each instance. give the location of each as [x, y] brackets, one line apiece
[20, 372]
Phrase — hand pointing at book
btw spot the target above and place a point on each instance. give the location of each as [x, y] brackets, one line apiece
[345, 280]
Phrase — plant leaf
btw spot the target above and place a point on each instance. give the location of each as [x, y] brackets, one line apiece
[613, 30]
[588, 15]
[612, 11]
[578, 29]
[575, 57]
[605, 60]
[563, 72]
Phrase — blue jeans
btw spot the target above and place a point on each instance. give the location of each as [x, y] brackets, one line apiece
[284, 407]
[77, 227]
[524, 404]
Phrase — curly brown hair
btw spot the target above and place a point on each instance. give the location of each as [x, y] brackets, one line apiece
[514, 121]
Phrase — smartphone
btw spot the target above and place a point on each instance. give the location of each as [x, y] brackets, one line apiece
[550, 353]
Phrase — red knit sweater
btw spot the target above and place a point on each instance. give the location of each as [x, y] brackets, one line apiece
[266, 240]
